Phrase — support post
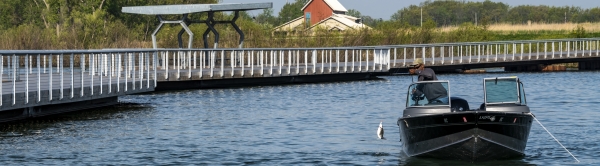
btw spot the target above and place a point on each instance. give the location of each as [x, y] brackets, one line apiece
[185, 28]
[239, 31]
[210, 22]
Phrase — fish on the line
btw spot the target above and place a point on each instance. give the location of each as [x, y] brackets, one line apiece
[380, 130]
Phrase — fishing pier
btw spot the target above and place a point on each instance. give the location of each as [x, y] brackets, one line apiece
[524, 55]
[37, 83]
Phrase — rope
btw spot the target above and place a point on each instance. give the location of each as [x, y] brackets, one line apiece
[554, 138]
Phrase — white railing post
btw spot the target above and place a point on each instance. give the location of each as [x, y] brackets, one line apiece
[395, 56]
[478, 53]
[497, 52]
[553, 53]
[50, 78]
[281, 55]
[305, 62]
[359, 60]
[39, 80]
[346, 61]
[451, 54]
[251, 63]
[101, 74]
[433, 55]
[110, 71]
[147, 59]
[460, 52]
[574, 47]
[529, 51]
[71, 59]
[2, 76]
[522, 54]
[337, 60]
[423, 55]
[14, 79]
[118, 63]
[388, 59]
[289, 62]
[514, 51]
[353, 57]
[128, 67]
[404, 63]
[546, 50]
[61, 69]
[538, 51]
[271, 61]
[470, 52]
[82, 66]
[442, 52]
[26, 79]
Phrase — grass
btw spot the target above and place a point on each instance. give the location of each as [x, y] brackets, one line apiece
[32, 37]
[535, 27]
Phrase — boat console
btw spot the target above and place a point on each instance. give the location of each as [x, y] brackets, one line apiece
[505, 94]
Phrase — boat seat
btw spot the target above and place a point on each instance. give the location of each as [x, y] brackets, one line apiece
[482, 107]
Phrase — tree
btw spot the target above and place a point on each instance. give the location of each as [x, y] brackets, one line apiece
[354, 13]
[291, 11]
[266, 17]
[372, 22]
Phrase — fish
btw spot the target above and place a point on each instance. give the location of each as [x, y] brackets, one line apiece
[380, 131]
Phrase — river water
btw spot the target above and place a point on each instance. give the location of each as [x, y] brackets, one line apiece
[307, 124]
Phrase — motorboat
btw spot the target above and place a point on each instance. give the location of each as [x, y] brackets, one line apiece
[449, 130]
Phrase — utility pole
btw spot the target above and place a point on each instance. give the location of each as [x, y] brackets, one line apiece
[421, 16]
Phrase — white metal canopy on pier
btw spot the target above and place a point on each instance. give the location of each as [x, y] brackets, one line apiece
[185, 10]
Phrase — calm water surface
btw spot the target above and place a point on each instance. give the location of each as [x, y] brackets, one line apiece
[309, 124]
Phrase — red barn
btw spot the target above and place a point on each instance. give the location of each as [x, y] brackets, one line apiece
[330, 14]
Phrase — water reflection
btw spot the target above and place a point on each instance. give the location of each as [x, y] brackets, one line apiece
[308, 124]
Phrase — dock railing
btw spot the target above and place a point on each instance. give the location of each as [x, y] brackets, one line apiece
[496, 51]
[268, 62]
[38, 77]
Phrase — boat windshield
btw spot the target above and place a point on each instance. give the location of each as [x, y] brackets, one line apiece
[428, 93]
[503, 90]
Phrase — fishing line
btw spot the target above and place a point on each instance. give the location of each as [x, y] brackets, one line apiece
[554, 137]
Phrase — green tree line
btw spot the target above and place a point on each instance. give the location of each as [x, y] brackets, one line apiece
[452, 13]
[456, 12]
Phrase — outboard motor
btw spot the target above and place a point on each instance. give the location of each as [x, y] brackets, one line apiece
[458, 104]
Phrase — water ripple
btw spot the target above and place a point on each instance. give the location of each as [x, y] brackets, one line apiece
[308, 124]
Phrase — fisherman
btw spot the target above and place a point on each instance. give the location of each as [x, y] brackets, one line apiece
[434, 92]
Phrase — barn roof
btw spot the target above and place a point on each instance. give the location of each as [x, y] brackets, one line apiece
[335, 5]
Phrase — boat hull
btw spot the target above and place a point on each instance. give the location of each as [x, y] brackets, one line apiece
[468, 136]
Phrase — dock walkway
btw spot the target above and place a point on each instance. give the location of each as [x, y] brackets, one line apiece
[83, 79]
[522, 55]
[38, 83]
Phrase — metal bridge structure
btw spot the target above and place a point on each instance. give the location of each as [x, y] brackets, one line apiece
[185, 10]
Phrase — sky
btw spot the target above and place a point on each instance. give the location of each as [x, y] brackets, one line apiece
[386, 8]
